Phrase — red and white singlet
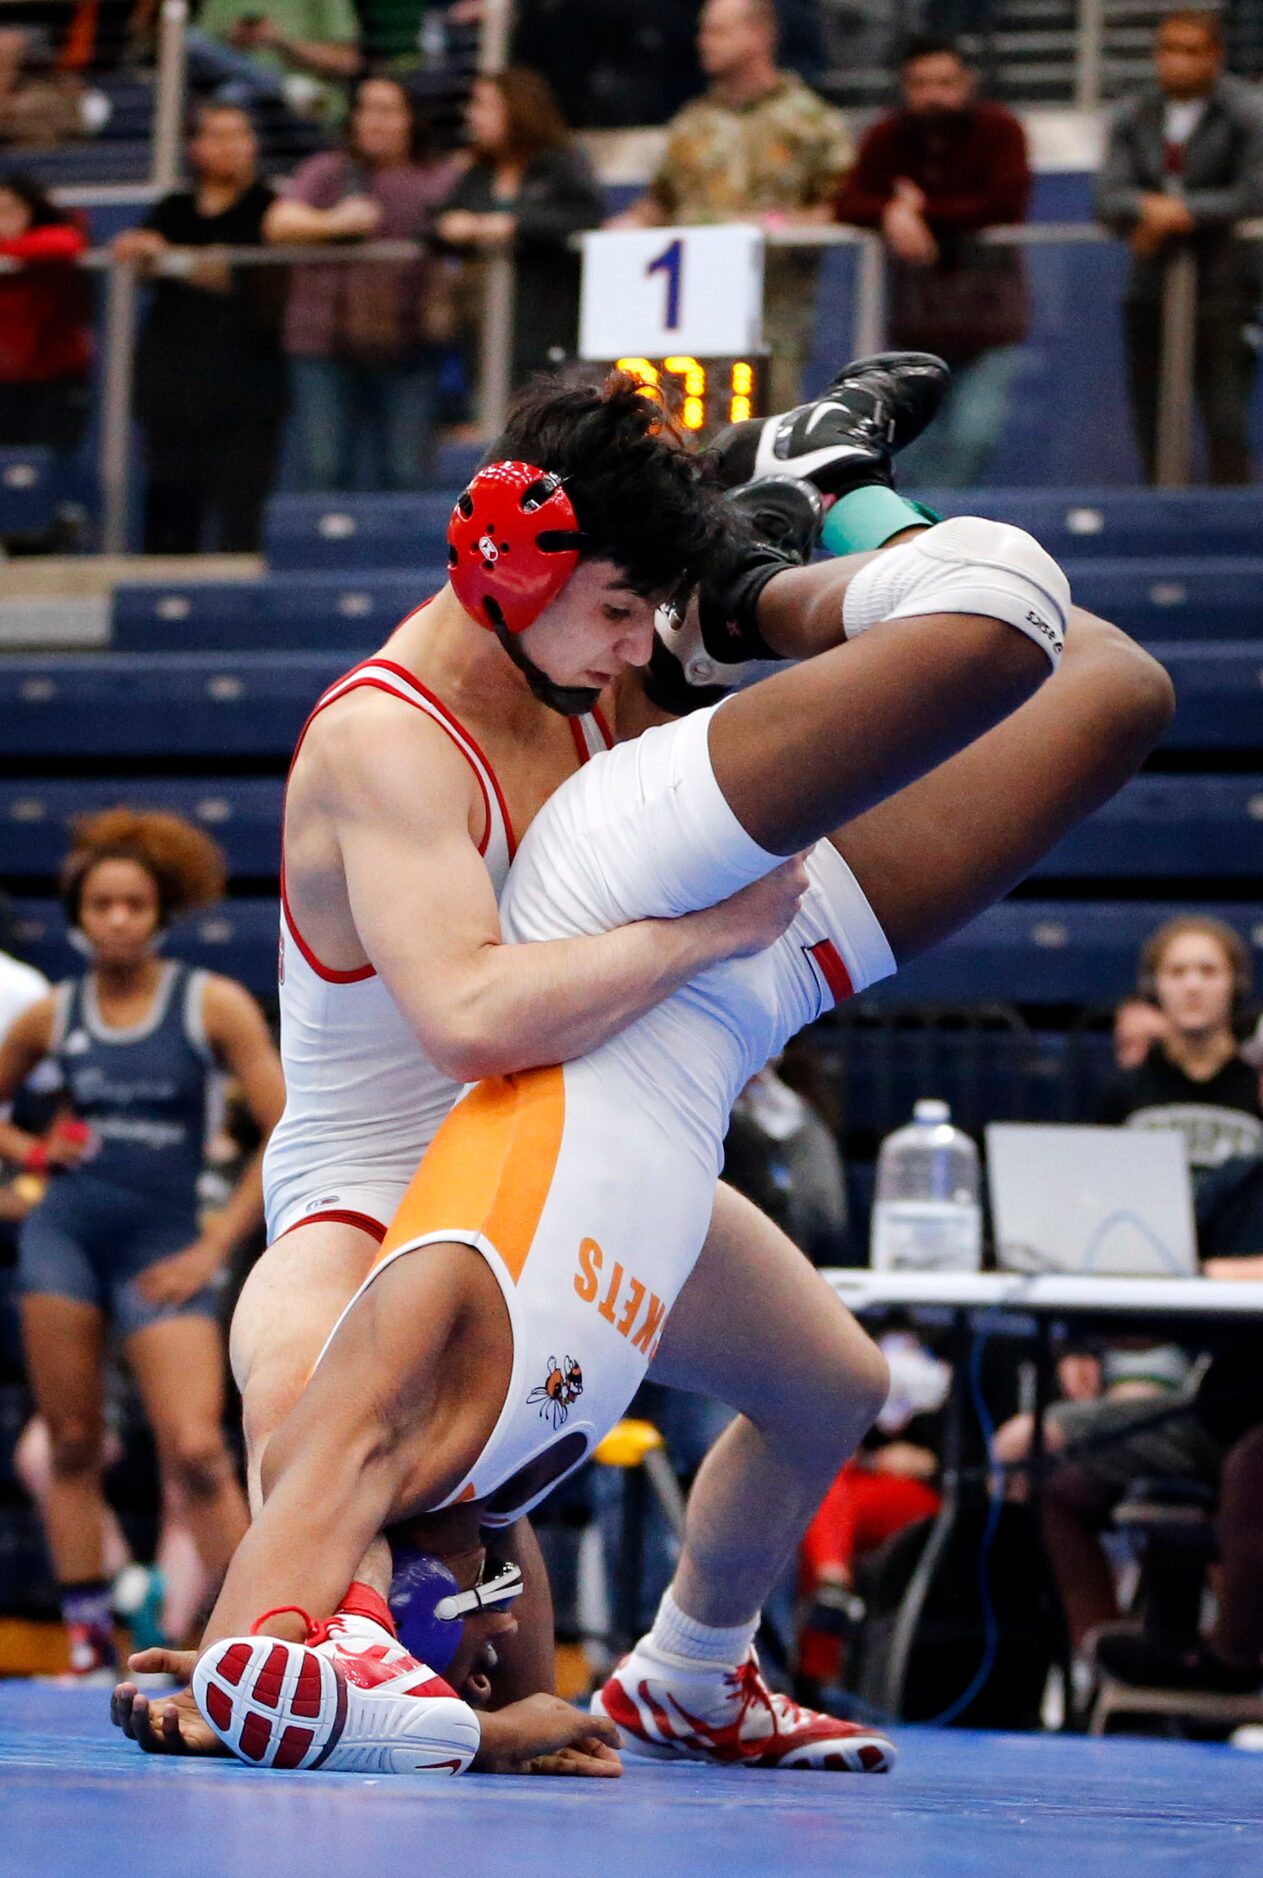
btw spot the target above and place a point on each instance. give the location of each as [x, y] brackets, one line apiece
[362, 1101]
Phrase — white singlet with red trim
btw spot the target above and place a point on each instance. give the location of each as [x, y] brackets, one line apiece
[362, 1101]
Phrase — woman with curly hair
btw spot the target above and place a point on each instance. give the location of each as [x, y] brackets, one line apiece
[116, 1242]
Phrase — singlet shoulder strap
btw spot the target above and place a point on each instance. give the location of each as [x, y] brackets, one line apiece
[193, 1014]
[497, 845]
[591, 734]
[67, 1001]
[385, 675]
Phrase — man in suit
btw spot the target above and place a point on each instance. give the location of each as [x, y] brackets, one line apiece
[1184, 163]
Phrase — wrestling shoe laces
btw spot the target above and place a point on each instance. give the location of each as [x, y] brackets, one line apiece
[350, 1698]
[666, 1707]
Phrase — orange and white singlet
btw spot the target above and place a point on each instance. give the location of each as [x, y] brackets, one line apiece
[589, 1188]
[362, 1101]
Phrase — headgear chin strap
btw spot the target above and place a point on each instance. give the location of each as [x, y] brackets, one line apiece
[512, 544]
[429, 1607]
[570, 700]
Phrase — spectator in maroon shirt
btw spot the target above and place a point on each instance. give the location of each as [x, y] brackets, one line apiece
[930, 175]
[45, 345]
[365, 339]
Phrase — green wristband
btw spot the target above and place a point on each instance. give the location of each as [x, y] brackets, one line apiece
[867, 518]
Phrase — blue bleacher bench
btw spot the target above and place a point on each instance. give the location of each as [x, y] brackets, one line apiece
[1047, 952]
[347, 531]
[1076, 523]
[1102, 525]
[243, 814]
[302, 611]
[29, 491]
[1168, 825]
[239, 938]
[1022, 952]
[1169, 598]
[120, 704]
[1218, 694]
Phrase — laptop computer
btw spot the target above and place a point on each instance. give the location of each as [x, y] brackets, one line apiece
[1091, 1200]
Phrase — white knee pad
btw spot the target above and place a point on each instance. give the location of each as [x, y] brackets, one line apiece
[965, 566]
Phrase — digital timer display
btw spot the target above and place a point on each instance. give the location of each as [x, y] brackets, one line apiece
[703, 394]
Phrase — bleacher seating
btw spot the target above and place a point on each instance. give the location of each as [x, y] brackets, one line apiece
[351, 531]
[294, 612]
[348, 531]
[30, 485]
[242, 813]
[1167, 826]
[1120, 523]
[1051, 952]
[181, 705]
[239, 938]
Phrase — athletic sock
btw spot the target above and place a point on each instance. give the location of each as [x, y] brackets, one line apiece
[362, 1600]
[88, 1616]
[676, 1634]
[866, 518]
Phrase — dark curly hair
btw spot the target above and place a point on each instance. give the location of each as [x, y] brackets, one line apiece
[643, 499]
[185, 865]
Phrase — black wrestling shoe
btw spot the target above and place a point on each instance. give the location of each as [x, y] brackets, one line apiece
[783, 511]
[1143, 1662]
[846, 439]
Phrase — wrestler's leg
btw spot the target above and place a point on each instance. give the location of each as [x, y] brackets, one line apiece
[823, 743]
[1024, 783]
[936, 854]
[396, 1414]
[757, 1326]
[289, 1304]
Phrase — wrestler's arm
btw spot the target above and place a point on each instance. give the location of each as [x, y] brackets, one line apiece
[425, 913]
[27, 1043]
[238, 1034]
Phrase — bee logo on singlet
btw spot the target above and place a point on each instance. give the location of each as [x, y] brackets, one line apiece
[559, 1391]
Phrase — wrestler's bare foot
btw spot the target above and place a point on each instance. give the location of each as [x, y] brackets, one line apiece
[167, 1724]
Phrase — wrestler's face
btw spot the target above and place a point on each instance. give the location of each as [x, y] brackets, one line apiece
[470, 1669]
[118, 911]
[593, 630]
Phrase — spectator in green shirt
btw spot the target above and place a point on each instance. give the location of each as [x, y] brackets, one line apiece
[305, 52]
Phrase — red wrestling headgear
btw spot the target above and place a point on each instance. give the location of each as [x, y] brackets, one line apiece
[512, 544]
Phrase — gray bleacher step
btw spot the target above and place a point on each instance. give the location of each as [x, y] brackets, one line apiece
[64, 625]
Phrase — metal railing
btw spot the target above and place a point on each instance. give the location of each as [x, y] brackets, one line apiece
[868, 331]
[1179, 314]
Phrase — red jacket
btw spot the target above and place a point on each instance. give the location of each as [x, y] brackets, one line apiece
[44, 331]
[972, 167]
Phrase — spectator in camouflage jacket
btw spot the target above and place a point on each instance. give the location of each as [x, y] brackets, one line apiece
[758, 145]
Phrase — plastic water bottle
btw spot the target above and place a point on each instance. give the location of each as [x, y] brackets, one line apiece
[926, 1215]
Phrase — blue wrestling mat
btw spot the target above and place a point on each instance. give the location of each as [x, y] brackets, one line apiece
[78, 1801]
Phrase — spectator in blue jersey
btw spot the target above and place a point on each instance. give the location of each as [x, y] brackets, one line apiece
[116, 1242]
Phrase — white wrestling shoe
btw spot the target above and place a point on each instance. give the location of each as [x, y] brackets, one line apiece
[669, 1708]
[351, 1700]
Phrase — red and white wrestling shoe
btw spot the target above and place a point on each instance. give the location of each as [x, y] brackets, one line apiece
[349, 1700]
[666, 1707]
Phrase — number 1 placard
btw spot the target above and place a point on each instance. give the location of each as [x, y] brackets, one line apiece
[671, 290]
